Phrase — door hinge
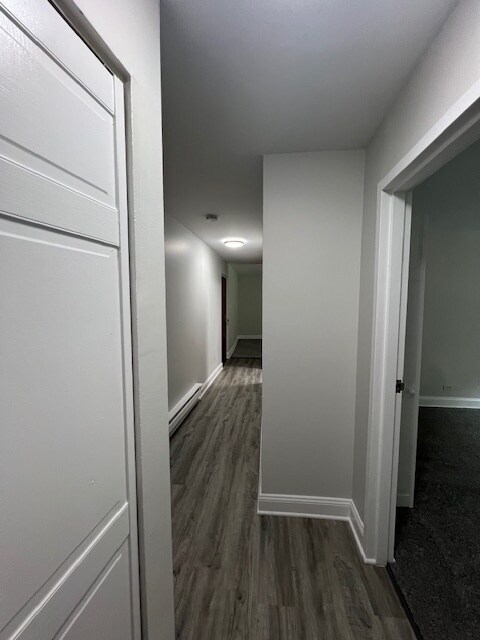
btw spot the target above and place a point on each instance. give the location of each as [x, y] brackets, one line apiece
[400, 386]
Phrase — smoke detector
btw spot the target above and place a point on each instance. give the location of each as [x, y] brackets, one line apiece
[211, 217]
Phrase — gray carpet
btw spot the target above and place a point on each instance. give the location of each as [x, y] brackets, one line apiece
[248, 349]
[437, 550]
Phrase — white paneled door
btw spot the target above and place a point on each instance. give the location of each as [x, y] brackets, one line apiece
[68, 545]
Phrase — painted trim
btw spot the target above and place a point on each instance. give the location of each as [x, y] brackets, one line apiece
[232, 348]
[358, 531]
[450, 402]
[403, 500]
[325, 508]
[245, 337]
[129, 353]
[210, 380]
[183, 407]
[357, 522]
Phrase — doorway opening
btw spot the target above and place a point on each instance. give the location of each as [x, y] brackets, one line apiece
[244, 314]
[454, 133]
[437, 517]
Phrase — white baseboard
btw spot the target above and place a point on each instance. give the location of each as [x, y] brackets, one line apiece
[183, 407]
[245, 337]
[451, 403]
[303, 506]
[232, 349]
[211, 379]
[316, 507]
[403, 500]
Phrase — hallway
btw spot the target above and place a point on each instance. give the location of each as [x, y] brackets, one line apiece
[247, 577]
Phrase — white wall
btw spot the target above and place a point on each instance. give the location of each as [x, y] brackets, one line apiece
[450, 68]
[450, 200]
[250, 303]
[244, 300]
[232, 306]
[193, 278]
[312, 233]
[131, 30]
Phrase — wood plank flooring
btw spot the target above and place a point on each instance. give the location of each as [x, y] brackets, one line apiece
[240, 576]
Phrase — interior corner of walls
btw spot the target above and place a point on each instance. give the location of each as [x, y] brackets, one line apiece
[232, 348]
[211, 379]
[358, 532]
[357, 522]
[324, 508]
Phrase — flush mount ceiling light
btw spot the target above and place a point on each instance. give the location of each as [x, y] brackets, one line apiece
[234, 243]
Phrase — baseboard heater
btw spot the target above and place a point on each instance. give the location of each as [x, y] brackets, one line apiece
[181, 410]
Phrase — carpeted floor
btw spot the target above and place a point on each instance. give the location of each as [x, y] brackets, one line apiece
[437, 551]
[248, 349]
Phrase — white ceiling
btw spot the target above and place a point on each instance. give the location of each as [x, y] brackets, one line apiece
[242, 78]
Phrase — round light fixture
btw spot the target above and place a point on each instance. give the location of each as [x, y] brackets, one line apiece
[234, 243]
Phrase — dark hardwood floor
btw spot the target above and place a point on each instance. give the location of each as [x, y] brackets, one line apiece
[240, 576]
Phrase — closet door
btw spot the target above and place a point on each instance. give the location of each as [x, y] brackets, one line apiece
[68, 548]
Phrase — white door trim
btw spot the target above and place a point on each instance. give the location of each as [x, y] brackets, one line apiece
[458, 128]
[123, 216]
[404, 230]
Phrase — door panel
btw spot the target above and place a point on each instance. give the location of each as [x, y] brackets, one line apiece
[45, 112]
[55, 205]
[63, 404]
[401, 227]
[47, 27]
[68, 587]
[68, 563]
[413, 361]
[104, 613]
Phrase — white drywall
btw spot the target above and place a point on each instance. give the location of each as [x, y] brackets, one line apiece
[450, 200]
[250, 303]
[448, 69]
[193, 278]
[131, 30]
[312, 233]
[232, 306]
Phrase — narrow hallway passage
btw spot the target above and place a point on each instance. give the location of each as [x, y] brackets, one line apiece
[240, 576]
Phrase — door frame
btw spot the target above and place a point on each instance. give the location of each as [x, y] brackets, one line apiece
[224, 304]
[456, 130]
[412, 379]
